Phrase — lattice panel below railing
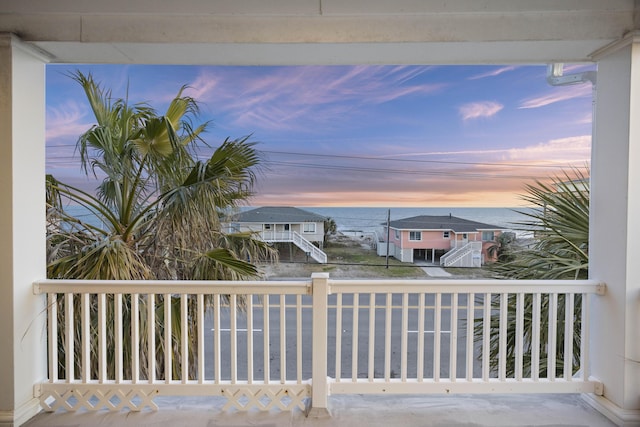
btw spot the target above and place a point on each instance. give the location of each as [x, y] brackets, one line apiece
[113, 399]
[122, 397]
[265, 399]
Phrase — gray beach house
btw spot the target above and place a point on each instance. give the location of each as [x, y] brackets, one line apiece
[276, 224]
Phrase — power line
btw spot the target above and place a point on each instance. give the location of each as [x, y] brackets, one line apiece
[341, 156]
[460, 174]
[383, 159]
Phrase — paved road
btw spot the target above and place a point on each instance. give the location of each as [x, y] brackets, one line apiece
[346, 341]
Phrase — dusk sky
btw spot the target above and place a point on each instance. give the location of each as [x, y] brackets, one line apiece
[387, 136]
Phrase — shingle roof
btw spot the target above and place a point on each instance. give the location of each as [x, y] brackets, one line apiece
[278, 214]
[441, 222]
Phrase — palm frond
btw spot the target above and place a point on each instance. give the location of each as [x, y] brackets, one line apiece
[559, 222]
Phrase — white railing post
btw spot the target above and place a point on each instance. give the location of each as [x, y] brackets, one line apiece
[319, 382]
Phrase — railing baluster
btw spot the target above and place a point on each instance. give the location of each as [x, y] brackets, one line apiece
[453, 338]
[404, 336]
[184, 324]
[249, 299]
[569, 301]
[266, 332]
[151, 337]
[437, 332]
[299, 339]
[470, 323]
[86, 337]
[519, 350]
[486, 337]
[387, 339]
[200, 308]
[217, 351]
[102, 338]
[53, 336]
[535, 336]
[283, 340]
[233, 337]
[338, 337]
[135, 338]
[420, 350]
[69, 323]
[168, 342]
[553, 335]
[117, 326]
[354, 338]
[372, 335]
[584, 337]
[502, 364]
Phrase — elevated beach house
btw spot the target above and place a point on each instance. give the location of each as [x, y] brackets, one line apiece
[276, 224]
[442, 239]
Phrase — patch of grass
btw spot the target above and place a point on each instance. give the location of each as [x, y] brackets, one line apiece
[368, 263]
[347, 258]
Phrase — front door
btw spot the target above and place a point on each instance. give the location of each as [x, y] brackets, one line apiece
[283, 231]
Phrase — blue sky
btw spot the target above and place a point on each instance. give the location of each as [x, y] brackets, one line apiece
[386, 136]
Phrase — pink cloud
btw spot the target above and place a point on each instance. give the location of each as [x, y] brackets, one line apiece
[68, 120]
[559, 94]
[277, 99]
[492, 73]
[574, 150]
[475, 110]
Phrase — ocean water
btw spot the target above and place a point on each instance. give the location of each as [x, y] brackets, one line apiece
[371, 219]
[367, 220]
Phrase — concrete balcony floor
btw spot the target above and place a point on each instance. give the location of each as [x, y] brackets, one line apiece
[357, 410]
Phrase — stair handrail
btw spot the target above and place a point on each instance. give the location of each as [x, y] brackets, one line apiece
[309, 247]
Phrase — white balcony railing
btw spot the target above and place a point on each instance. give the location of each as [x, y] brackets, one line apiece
[275, 344]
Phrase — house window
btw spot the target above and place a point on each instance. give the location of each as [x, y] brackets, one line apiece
[309, 227]
[415, 235]
[445, 235]
[397, 234]
[267, 227]
[286, 227]
[488, 235]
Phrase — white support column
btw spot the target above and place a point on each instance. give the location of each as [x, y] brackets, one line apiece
[22, 227]
[614, 248]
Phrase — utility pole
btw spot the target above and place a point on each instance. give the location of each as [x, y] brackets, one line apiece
[388, 235]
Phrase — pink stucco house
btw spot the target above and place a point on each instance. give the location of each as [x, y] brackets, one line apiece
[446, 240]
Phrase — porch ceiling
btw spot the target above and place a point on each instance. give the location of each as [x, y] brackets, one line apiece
[317, 31]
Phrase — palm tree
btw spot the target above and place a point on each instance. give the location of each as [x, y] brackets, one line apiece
[330, 228]
[158, 207]
[559, 221]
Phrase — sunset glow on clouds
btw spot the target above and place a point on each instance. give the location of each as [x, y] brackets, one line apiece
[359, 135]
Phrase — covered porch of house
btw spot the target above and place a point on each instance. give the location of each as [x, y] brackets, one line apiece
[327, 32]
